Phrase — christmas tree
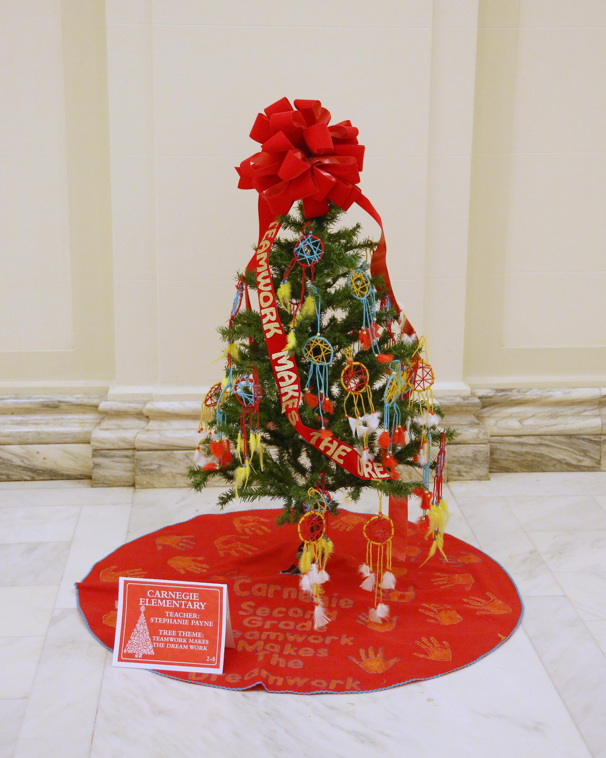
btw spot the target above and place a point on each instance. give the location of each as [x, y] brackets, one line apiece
[364, 378]
[140, 643]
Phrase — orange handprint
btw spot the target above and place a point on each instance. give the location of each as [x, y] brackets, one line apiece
[183, 563]
[412, 551]
[387, 626]
[250, 524]
[492, 606]
[465, 559]
[230, 544]
[110, 618]
[397, 596]
[371, 663]
[434, 651]
[110, 575]
[441, 614]
[176, 541]
[453, 580]
[347, 523]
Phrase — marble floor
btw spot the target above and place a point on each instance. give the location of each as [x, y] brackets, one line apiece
[542, 694]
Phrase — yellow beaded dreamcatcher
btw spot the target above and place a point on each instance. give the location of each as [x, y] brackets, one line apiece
[377, 569]
[317, 549]
[355, 380]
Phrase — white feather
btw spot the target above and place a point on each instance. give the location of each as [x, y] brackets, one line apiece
[304, 583]
[353, 423]
[379, 614]
[321, 618]
[364, 569]
[432, 419]
[368, 583]
[313, 574]
[323, 577]
[372, 420]
[388, 581]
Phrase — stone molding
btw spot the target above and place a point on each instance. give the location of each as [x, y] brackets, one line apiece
[148, 442]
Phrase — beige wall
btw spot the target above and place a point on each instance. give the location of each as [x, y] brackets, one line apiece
[485, 138]
[56, 301]
[536, 310]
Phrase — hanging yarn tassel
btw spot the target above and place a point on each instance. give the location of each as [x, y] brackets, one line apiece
[388, 582]
[283, 295]
[310, 399]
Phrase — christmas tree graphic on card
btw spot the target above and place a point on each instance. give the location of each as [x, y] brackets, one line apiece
[140, 643]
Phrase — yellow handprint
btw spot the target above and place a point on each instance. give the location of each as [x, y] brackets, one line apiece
[251, 524]
[230, 544]
[453, 580]
[348, 522]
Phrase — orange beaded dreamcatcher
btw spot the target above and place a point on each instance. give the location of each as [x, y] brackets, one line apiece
[377, 569]
[317, 549]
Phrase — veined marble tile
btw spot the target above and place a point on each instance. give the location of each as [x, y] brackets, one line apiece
[601, 501]
[586, 591]
[502, 706]
[574, 662]
[18, 663]
[113, 468]
[53, 461]
[70, 496]
[540, 411]
[501, 536]
[11, 717]
[60, 715]
[162, 468]
[25, 611]
[538, 483]
[465, 462]
[572, 551]
[552, 513]
[30, 563]
[547, 453]
[33, 523]
[101, 529]
[598, 631]
[46, 484]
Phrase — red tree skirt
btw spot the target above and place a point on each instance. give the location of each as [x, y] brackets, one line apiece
[444, 616]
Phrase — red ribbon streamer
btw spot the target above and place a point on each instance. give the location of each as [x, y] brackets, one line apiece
[303, 158]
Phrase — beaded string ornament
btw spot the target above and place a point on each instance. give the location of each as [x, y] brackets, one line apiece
[317, 549]
[377, 569]
[363, 290]
[393, 433]
[437, 515]
[355, 380]
[319, 352]
[307, 252]
[248, 391]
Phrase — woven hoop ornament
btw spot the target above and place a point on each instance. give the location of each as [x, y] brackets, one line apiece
[209, 405]
[312, 526]
[379, 530]
[308, 250]
[422, 377]
[360, 284]
[247, 390]
[355, 378]
[318, 350]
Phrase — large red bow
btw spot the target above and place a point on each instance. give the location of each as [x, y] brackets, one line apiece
[303, 158]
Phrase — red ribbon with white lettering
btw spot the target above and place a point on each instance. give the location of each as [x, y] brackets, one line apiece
[303, 158]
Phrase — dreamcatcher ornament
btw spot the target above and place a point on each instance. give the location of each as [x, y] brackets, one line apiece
[355, 380]
[317, 549]
[363, 290]
[320, 353]
[437, 514]
[247, 389]
[377, 569]
[307, 252]
[393, 434]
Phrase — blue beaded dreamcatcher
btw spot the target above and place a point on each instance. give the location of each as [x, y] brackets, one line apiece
[319, 352]
[307, 252]
[363, 290]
